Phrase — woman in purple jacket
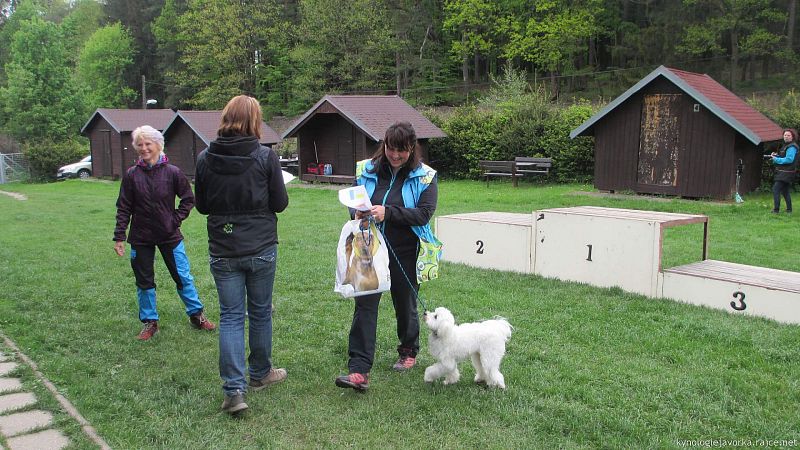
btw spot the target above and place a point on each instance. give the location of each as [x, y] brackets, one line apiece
[147, 201]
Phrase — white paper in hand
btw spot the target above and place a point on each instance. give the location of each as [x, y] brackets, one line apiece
[287, 177]
[355, 197]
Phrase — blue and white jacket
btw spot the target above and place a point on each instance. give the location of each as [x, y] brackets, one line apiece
[417, 181]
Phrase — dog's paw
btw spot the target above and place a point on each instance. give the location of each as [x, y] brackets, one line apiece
[429, 377]
[452, 378]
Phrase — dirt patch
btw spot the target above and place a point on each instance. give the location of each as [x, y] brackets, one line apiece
[15, 195]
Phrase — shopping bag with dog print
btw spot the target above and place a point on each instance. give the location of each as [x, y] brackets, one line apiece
[362, 265]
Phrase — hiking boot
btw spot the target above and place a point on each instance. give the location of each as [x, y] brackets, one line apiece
[234, 404]
[274, 376]
[404, 363]
[357, 381]
[200, 322]
[150, 329]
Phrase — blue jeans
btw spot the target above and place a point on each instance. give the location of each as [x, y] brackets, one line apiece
[249, 278]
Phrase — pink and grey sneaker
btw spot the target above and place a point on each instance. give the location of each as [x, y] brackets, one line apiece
[404, 363]
[149, 330]
[357, 381]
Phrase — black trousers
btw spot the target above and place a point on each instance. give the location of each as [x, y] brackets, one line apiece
[143, 269]
[781, 188]
[361, 348]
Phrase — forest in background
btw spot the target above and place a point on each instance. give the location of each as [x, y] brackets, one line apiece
[60, 60]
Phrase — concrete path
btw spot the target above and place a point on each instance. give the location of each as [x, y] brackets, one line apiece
[22, 426]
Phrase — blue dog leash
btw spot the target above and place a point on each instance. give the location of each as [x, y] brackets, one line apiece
[408, 280]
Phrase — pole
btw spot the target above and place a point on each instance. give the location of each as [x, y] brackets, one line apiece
[2, 168]
[144, 95]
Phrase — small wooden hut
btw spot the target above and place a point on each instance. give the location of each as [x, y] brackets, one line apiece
[679, 133]
[190, 132]
[341, 130]
[109, 133]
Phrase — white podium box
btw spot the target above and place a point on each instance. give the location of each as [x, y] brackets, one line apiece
[736, 288]
[489, 240]
[606, 246]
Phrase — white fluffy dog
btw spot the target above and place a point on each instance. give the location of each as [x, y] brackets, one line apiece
[484, 342]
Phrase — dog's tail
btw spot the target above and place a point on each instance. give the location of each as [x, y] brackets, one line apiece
[506, 327]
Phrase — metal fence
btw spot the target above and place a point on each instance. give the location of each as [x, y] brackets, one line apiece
[13, 167]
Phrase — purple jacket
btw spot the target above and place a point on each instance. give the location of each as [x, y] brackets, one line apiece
[147, 200]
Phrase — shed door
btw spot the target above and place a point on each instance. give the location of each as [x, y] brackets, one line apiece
[658, 145]
[105, 137]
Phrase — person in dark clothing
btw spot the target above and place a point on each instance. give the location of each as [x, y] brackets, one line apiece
[404, 193]
[239, 185]
[147, 201]
[786, 164]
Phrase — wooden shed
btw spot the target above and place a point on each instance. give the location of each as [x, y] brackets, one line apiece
[679, 133]
[190, 132]
[341, 130]
[109, 132]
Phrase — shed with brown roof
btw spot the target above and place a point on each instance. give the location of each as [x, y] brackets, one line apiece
[343, 129]
[679, 133]
[109, 132]
[190, 132]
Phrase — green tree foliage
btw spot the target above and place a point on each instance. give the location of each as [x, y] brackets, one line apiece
[352, 44]
[103, 63]
[473, 23]
[23, 11]
[136, 16]
[224, 45]
[84, 19]
[740, 25]
[40, 101]
[165, 30]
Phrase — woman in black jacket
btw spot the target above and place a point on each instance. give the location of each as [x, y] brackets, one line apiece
[239, 185]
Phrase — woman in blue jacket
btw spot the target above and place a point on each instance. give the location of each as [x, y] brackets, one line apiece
[403, 192]
[786, 163]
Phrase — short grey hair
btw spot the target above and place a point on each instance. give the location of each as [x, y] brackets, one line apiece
[148, 132]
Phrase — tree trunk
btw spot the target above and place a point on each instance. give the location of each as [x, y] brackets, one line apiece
[734, 58]
[476, 61]
[553, 86]
[397, 75]
[790, 25]
[464, 64]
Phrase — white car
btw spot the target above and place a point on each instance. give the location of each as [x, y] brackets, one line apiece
[81, 169]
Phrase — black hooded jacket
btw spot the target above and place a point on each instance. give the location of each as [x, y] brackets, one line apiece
[239, 185]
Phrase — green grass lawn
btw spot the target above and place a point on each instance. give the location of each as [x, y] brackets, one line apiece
[586, 367]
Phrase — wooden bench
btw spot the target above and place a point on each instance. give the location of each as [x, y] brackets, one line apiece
[533, 166]
[499, 169]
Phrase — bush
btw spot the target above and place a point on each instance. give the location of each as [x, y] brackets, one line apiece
[527, 126]
[46, 158]
[788, 113]
[573, 159]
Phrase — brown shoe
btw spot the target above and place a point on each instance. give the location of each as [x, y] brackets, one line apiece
[274, 376]
[234, 404]
[200, 322]
[149, 330]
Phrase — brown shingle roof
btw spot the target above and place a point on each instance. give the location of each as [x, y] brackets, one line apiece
[372, 114]
[728, 102]
[206, 124]
[723, 103]
[123, 120]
